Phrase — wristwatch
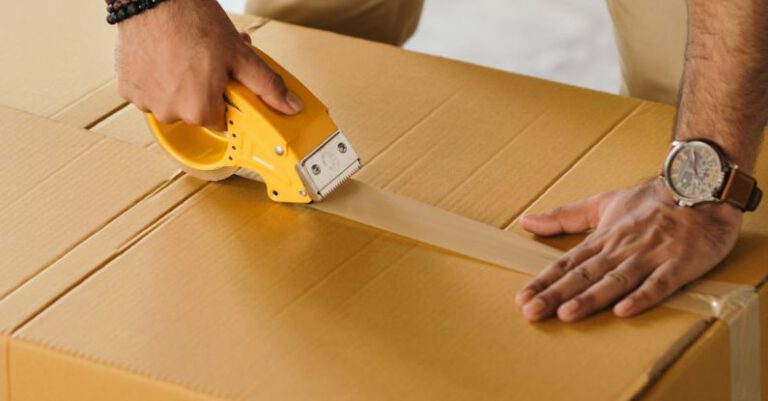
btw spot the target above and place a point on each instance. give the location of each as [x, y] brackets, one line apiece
[696, 172]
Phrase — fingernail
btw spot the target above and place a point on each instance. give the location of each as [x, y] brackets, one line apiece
[528, 217]
[570, 307]
[624, 307]
[294, 101]
[534, 307]
[523, 297]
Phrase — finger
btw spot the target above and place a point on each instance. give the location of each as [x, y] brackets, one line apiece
[660, 284]
[614, 284]
[205, 112]
[142, 107]
[246, 37]
[557, 269]
[254, 73]
[216, 119]
[574, 282]
[572, 218]
[165, 116]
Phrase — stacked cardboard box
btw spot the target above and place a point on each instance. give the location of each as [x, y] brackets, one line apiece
[122, 278]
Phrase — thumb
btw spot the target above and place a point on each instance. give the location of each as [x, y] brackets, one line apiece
[256, 75]
[572, 218]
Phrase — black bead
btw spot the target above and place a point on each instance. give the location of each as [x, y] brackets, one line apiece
[112, 18]
[131, 10]
[140, 6]
[121, 14]
[110, 8]
[149, 4]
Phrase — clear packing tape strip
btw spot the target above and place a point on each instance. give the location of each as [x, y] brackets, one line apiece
[736, 305]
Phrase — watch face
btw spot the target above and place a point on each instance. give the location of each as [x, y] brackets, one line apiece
[695, 171]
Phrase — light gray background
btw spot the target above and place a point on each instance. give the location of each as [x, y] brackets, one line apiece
[568, 41]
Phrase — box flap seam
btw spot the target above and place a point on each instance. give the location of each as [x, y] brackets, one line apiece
[495, 156]
[126, 245]
[676, 352]
[93, 233]
[84, 98]
[327, 276]
[399, 138]
[553, 182]
[106, 115]
[79, 155]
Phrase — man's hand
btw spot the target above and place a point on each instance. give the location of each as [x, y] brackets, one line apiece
[175, 60]
[642, 249]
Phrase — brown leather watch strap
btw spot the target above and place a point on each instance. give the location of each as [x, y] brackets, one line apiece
[741, 191]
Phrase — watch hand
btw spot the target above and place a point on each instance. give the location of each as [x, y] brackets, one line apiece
[695, 165]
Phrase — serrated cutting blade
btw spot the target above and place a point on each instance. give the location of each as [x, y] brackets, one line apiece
[328, 166]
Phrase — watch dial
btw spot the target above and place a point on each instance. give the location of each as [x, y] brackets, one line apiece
[696, 171]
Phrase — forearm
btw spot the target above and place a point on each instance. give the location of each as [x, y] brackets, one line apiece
[724, 95]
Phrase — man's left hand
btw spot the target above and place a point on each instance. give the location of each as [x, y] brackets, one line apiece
[643, 247]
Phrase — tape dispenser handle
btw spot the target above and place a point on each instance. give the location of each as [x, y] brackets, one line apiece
[246, 102]
[258, 137]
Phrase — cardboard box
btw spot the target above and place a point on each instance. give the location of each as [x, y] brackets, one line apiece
[209, 291]
[287, 302]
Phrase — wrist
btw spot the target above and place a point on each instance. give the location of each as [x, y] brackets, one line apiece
[121, 10]
[734, 152]
[722, 118]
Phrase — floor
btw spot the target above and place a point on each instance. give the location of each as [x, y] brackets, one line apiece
[568, 41]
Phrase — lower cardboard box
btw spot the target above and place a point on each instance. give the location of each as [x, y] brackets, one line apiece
[176, 289]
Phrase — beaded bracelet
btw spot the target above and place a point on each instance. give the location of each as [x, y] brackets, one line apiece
[120, 10]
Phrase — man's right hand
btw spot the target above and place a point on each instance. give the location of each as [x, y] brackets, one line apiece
[175, 60]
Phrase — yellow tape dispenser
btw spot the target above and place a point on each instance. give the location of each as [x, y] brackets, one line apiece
[301, 158]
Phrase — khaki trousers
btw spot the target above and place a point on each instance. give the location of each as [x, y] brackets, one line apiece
[651, 38]
[650, 34]
[388, 21]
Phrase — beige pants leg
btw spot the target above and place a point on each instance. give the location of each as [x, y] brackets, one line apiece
[651, 37]
[389, 21]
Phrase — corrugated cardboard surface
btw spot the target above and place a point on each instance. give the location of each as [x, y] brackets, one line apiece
[702, 374]
[289, 303]
[4, 368]
[60, 189]
[631, 155]
[763, 293]
[127, 124]
[56, 59]
[60, 186]
[209, 289]
[69, 377]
